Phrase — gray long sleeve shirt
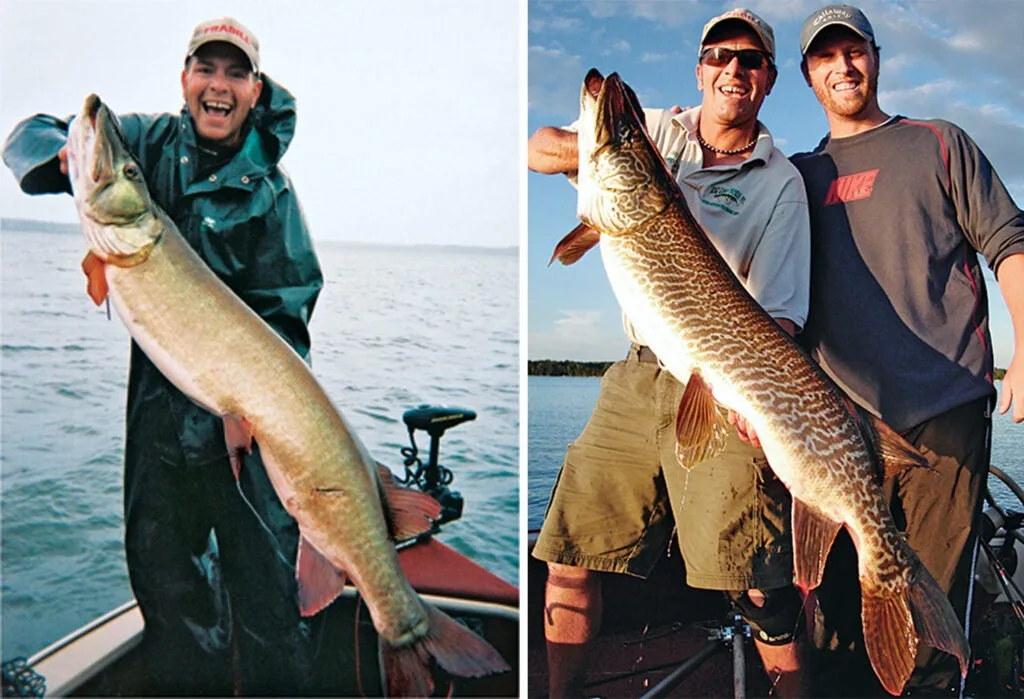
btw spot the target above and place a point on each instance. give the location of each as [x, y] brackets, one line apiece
[899, 309]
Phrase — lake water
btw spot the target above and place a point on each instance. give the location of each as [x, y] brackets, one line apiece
[394, 328]
[560, 407]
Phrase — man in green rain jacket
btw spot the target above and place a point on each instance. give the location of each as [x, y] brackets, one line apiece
[211, 568]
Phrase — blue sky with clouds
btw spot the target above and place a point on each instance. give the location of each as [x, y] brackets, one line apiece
[949, 59]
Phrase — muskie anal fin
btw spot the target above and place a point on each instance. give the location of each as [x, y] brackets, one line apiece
[575, 245]
[411, 512]
[816, 534]
[701, 429]
[238, 438]
[320, 581]
[96, 286]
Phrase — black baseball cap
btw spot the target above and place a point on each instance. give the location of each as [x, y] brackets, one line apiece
[843, 15]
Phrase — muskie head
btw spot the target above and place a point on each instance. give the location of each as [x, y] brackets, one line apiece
[623, 180]
[110, 192]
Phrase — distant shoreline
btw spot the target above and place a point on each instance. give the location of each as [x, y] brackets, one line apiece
[569, 367]
[29, 225]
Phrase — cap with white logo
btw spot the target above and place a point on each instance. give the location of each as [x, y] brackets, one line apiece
[843, 15]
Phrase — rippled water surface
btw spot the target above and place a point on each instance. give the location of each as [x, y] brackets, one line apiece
[395, 327]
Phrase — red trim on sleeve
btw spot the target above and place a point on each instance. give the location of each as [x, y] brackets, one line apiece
[974, 312]
[942, 145]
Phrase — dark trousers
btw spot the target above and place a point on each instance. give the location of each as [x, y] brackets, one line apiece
[215, 580]
[937, 510]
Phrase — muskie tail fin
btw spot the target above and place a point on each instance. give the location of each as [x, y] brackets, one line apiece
[458, 650]
[893, 627]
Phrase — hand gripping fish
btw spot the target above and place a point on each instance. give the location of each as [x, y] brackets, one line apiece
[226, 358]
[707, 330]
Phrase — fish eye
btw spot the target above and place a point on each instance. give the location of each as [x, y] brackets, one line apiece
[131, 171]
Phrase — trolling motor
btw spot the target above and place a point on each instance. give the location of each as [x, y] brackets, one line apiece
[432, 478]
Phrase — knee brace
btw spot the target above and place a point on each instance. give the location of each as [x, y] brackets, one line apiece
[777, 622]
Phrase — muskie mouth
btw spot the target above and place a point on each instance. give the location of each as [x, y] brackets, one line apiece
[109, 187]
[619, 116]
[94, 114]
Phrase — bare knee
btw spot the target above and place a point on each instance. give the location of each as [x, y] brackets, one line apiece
[570, 577]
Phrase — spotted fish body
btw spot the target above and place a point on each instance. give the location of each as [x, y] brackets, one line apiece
[690, 308]
[217, 351]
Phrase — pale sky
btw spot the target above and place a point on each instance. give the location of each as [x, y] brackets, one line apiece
[958, 60]
[408, 111]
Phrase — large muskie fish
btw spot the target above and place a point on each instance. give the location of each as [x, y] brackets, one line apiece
[222, 355]
[710, 333]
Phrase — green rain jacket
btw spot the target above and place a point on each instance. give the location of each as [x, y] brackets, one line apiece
[244, 220]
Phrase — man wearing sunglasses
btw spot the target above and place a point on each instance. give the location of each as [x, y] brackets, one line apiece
[900, 210]
[731, 513]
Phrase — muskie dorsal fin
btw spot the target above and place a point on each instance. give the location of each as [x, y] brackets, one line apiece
[894, 453]
[816, 534]
[701, 429]
[575, 245]
[96, 286]
[410, 512]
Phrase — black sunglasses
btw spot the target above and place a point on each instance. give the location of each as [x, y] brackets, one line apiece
[719, 56]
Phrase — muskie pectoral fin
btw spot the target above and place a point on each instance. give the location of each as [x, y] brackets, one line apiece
[410, 512]
[238, 438]
[320, 581]
[458, 650]
[575, 245]
[96, 285]
[814, 535]
[701, 429]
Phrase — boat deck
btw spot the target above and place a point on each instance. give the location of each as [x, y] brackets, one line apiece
[649, 628]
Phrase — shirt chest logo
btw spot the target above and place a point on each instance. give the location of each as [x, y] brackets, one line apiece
[728, 199]
[851, 187]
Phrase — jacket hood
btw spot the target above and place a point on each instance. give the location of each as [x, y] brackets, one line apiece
[274, 119]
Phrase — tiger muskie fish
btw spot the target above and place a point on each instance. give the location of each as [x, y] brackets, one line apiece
[708, 331]
[221, 354]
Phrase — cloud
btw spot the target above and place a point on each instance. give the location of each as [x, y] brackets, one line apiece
[620, 47]
[584, 335]
[651, 57]
[556, 25]
[554, 77]
[991, 126]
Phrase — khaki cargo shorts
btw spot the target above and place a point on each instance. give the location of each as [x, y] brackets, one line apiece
[621, 490]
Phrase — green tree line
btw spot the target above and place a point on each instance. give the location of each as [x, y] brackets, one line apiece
[565, 367]
[569, 367]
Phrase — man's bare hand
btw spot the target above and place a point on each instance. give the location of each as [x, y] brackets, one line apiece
[745, 429]
[1012, 391]
[62, 155]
